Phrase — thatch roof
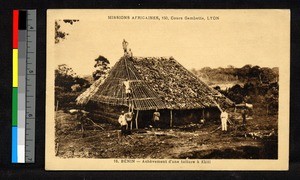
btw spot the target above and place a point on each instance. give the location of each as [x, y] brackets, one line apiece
[160, 83]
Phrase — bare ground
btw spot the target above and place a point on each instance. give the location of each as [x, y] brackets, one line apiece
[257, 141]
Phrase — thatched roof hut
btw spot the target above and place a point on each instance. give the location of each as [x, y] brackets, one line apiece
[160, 83]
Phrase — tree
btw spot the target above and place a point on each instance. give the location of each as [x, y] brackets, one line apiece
[101, 66]
[230, 67]
[65, 70]
[64, 76]
[272, 99]
[250, 89]
[58, 33]
[236, 93]
[255, 73]
[67, 86]
[276, 73]
[243, 72]
[268, 75]
[194, 71]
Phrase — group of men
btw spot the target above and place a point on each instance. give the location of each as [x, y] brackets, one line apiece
[156, 115]
[125, 120]
[126, 52]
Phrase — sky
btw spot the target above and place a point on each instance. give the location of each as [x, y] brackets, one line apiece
[239, 37]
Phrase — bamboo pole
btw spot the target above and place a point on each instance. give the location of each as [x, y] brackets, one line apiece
[131, 119]
[56, 106]
[136, 120]
[171, 118]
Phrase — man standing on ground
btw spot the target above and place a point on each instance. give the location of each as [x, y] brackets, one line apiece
[128, 117]
[224, 118]
[156, 116]
[123, 123]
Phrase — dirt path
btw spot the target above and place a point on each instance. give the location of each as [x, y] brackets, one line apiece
[195, 142]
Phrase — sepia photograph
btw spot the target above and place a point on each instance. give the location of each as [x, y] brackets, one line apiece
[167, 89]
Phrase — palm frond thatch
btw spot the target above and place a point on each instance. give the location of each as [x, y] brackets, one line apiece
[160, 83]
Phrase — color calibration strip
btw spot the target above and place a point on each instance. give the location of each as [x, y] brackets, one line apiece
[24, 84]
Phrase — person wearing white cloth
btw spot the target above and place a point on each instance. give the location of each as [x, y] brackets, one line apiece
[125, 44]
[123, 123]
[126, 83]
[224, 118]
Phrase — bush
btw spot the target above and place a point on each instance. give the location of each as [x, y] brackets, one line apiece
[66, 100]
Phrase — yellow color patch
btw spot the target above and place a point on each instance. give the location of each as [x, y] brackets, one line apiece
[15, 67]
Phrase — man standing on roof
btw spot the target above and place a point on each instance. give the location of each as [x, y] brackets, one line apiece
[130, 53]
[224, 118]
[125, 44]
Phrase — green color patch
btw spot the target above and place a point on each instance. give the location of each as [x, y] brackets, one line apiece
[15, 107]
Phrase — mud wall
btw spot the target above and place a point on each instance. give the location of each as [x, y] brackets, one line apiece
[109, 114]
[179, 117]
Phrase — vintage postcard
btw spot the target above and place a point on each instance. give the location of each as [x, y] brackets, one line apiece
[167, 89]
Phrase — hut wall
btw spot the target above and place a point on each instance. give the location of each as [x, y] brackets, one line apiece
[105, 113]
[180, 117]
[145, 118]
[109, 114]
[212, 114]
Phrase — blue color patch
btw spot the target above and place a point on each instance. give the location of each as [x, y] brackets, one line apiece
[14, 145]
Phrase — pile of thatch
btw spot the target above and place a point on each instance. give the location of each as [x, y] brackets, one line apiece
[174, 84]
